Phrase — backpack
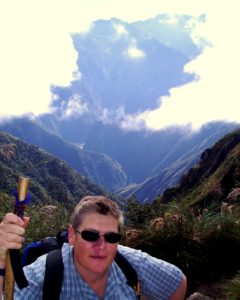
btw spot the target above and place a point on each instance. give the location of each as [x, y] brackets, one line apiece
[54, 264]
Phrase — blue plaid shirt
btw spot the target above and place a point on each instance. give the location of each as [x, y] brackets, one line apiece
[158, 279]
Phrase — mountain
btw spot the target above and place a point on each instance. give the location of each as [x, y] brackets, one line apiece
[215, 178]
[173, 31]
[51, 179]
[98, 167]
[199, 220]
[123, 70]
[117, 77]
[154, 161]
[136, 163]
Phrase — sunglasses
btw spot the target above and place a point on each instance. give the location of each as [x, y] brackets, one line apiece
[93, 236]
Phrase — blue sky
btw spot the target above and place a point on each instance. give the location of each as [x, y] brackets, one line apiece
[35, 43]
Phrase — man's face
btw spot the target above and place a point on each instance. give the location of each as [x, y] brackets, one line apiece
[94, 258]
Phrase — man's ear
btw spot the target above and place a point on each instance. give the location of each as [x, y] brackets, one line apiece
[71, 235]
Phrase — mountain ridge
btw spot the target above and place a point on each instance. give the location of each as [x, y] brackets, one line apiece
[52, 180]
[213, 178]
[96, 166]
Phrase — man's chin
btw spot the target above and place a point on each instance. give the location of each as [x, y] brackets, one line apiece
[99, 266]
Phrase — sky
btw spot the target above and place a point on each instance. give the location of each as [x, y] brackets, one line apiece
[37, 51]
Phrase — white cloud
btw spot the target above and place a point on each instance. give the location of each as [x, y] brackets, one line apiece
[36, 51]
[33, 55]
[77, 75]
[122, 119]
[172, 19]
[73, 107]
[135, 52]
[120, 29]
[215, 95]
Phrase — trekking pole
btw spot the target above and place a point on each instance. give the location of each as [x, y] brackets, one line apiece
[14, 269]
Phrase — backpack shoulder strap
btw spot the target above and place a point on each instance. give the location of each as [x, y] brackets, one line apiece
[53, 275]
[128, 270]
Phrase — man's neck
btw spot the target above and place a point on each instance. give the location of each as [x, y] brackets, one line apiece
[97, 282]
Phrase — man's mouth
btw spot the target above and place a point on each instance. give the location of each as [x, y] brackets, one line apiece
[98, 257]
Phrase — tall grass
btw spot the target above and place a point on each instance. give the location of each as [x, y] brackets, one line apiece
[232, 289]
[205, 243]
[44, 220]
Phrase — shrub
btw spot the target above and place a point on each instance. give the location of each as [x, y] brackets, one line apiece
[204, 243]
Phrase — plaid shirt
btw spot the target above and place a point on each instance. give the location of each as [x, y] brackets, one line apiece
[158, 279]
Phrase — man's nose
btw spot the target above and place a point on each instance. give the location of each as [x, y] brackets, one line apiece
[100, 242]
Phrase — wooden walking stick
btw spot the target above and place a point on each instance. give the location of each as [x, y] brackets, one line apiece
[14, 269]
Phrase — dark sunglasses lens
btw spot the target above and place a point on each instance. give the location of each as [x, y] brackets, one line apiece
[90, 236]
[113, 237]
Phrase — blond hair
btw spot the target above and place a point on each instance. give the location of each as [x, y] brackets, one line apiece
[96, 204]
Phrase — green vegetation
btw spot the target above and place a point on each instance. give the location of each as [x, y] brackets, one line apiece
[195, 225]
[52, 180]
[205, 244]
[45, 220]
[213, 178]
[232, 289]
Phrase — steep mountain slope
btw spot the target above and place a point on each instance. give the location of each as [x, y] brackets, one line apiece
[51, 179]
[100, 168]
[154, 161]
[214, 179]
[119, 79]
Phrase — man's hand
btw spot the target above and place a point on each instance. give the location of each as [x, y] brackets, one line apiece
[12, 232]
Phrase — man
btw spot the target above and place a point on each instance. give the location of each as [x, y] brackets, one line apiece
[90, 271]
